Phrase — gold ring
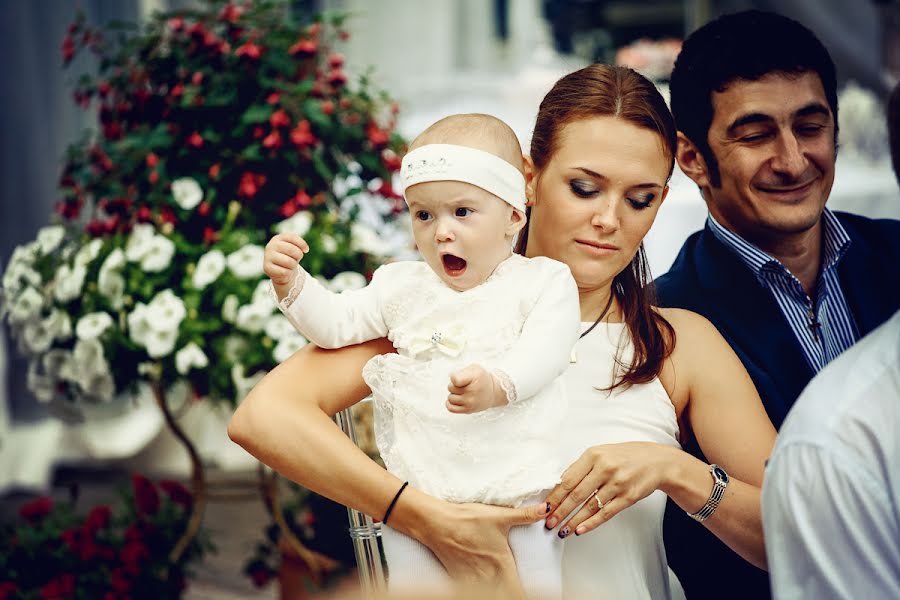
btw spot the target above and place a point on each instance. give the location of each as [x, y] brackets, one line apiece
[599, 502]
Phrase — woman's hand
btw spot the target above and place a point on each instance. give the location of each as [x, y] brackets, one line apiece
[617, 474]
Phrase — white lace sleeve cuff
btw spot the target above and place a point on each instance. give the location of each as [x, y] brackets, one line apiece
[293, 293]
[507, 385]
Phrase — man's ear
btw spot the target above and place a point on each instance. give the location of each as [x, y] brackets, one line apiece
[530, 180]
[517, 220]
[691, 161]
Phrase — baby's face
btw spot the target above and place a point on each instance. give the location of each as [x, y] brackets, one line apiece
[462, 231]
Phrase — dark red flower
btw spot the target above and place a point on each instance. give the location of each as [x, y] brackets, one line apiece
[288, 209]
[197, 78]
[152, 160]
[68, 49]
[302, 199]
[249, 50]
[146, 498]
[103, 89]
[390, 160]
[250, 184]
[279, 118]
[336, 60]
[62, 586]
[301, 135]
[272, 141]
[144, 214]
[210, 235]
[153, 177]
[344, 103]
[132, 554]
[119, 581]
[303, 48]
[72, 538]
[168, 216]
[260, 576]
[273, 98]
[214, 171]
[230, 13]
[98, 518]
[176, 24]
[316, 91]
[8, 589]
[178, 493]
[37, 509]
[195, 140]
[327, 107]
[202, 210]
[377, 136]
[337, 78]
[258, 132]
[177, 91]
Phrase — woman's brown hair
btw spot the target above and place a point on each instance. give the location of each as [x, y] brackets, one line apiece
[609, 90]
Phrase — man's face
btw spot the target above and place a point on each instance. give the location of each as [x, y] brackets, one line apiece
[773, 139]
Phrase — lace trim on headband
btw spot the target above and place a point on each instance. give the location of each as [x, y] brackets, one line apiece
[507, 385]
[291, 296]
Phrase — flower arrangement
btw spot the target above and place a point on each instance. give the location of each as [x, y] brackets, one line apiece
[109, 554]
[654, 59]
[218, 126]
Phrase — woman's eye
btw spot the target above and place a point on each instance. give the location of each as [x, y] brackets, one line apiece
[423, 215]
[641, 201]
[463, 212]
[582, 189]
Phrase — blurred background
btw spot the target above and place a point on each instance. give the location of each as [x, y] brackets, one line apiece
[434, 57]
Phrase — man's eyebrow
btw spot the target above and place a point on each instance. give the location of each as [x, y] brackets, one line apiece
[748, 119]
[813, 109]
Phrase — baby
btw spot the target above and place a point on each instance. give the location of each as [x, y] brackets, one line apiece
[470, 407]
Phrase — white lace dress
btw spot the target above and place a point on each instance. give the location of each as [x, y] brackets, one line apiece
[521, 324]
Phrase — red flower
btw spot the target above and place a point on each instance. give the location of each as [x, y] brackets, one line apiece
[167, 216]
[197, 78]
[327, 107]
[337, 78]
[37, 509]
[273, 98]
[280, 118]
[302, 199]
[316, 90]
[250, 184]
[303, 48]
[390, 160]
[113, 131]
[210, 235]
[98, 518]
[273, 140]
[301, 135]
[288, 209]
[72, 538]
[377, 137]
[146, 498]
[250, 50]
[258, 132]
[195, 140]
[7, 589]
[202, 210]
[68, 49]
[119, 581]
[344, 103]
[343, 35]
[230, 13]
[153, 177]
[103, 89]
[176, 24]
[214, 171]
[144, 214]
[132, 554]
[177, 91]
[59, 587]
[152, 160]
[177, 492]
[260, 576]
[336, 60]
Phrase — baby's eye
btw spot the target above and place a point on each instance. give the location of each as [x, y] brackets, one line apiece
[423, 215]
[463, 212]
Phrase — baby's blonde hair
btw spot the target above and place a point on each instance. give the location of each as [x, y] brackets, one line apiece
[475, 130]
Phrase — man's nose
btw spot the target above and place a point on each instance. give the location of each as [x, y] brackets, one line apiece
[790, 158]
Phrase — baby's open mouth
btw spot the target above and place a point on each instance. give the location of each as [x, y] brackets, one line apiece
[454, 266]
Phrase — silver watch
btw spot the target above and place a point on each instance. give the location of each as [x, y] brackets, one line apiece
[720, 482]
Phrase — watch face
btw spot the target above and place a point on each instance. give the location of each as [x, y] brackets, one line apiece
[720, 474]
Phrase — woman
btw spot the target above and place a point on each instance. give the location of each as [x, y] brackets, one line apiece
[642, 378]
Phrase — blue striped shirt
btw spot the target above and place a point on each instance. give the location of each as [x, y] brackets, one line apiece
[823, 325]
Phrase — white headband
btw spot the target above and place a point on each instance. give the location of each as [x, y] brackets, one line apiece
[448, 162]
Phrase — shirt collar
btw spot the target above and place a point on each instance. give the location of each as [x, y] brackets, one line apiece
[836, 241]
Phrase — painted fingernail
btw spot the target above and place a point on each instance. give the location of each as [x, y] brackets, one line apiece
[563, 532]
[551, 523]
[579, 530]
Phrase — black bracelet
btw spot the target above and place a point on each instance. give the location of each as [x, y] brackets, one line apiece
[393, 502]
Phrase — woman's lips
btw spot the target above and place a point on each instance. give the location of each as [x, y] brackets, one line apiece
[598, 248]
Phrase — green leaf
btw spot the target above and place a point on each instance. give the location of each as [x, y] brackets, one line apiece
[257, 113]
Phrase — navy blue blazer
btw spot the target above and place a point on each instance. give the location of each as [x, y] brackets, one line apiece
[710, 279]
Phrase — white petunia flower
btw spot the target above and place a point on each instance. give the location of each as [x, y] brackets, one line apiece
[113, 262]
[329, 244]
[58, 324]
[69, 281]
[58, 364]
[160, 343]
[98, 386]
[19, 275]
[263, 292]
[36, 338]
[208, 269]
[365, 239]
[235, 345]
[287, 346]
[348, 280]
[88, 357]
[246, 263]
[111, 285]
[24, 254]
[49, 238]
[159, 254]
[300, 223]
[26, 306]
[93, 325]
[252, 317]
[87, 253]
[166, 310]
[138, 324]
[230, 307]
[187, 192]
[278, 327]
[189, 357]
[138, 243]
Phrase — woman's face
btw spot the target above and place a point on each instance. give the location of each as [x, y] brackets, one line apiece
[595, 200]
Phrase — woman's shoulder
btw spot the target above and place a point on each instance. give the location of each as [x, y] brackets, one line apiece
[688, 324]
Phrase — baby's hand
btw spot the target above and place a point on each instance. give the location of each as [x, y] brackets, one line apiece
[473, 389]
[283, 253]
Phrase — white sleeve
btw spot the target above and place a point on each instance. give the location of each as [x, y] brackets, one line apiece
[544, 348]
[332, 320]
[829, 527]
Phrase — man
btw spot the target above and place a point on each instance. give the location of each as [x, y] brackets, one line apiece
[787, 282]
[838, 459]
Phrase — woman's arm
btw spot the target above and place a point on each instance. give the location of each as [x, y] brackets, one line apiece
[724, 411]
[286, 423]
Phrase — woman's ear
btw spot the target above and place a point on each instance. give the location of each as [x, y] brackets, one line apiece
[530, 180]
[691, 161]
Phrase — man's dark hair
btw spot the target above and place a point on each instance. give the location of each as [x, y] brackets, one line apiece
[741, 46]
